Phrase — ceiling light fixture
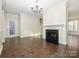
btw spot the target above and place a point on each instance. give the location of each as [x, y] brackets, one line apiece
[36, 9]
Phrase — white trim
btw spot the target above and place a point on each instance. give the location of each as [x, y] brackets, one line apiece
[63, 43]
[11, 36]
[1, 47]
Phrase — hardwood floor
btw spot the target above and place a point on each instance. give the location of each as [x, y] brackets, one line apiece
[38, 48]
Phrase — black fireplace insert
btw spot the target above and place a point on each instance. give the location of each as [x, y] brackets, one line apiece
[52, 36]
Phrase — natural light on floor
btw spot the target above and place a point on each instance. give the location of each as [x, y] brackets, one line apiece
[36, 35]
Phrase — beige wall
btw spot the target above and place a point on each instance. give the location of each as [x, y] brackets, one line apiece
[12, 17]
[30, 24]
[26, 24]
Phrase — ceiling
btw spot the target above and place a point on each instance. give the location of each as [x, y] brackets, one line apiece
[73, 8]
[16, 6]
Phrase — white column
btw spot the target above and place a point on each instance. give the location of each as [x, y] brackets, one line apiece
[1, 27]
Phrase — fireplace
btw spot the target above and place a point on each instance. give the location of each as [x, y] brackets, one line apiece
[52, 36]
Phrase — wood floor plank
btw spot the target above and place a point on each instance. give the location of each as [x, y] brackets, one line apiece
[36, 48]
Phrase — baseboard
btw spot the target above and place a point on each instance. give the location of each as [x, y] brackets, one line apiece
[12, 37]
[24, 36]
[1, 47]
[64, 43]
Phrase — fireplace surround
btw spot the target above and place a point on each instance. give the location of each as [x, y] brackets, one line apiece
[52, 36]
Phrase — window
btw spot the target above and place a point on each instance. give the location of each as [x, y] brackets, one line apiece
[12, 28]
[73, 25]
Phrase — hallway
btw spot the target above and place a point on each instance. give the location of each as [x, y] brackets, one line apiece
[37, 48]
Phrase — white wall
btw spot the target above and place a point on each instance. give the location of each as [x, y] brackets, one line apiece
[30, 24]
[54, 15]
[56, 18]
[12, 17]
[0, 13]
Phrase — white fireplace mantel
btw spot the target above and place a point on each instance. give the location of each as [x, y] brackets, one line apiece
[62, 32]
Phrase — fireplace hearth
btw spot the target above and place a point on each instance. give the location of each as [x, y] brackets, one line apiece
[52, 36]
